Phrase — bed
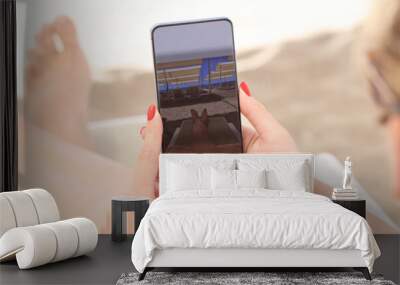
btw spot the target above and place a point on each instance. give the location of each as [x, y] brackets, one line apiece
[247, 210]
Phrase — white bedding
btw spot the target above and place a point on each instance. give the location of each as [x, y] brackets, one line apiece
[251, 218]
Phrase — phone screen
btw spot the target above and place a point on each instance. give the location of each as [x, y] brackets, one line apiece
[197, 87]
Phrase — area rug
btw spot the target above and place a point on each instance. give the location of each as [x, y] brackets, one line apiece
[269, 278]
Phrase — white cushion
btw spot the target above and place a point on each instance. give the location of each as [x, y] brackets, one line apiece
[23, 208]
[181, 178]
[31, 233]
[41, 244]
[289, 174]
[223, 179]
[67, 239]
[33, 246]
[227, 179]
[174, 169]
[27, 208]
[251, 178]
[7, 220]
[293, 179]
[45, 205]
[87, 233]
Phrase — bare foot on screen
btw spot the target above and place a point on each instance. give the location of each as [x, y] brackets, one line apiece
[58, 83]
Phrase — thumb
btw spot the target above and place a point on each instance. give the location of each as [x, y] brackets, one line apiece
[146, 170]
[255, 112]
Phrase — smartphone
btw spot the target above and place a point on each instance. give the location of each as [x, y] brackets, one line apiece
[197, 89]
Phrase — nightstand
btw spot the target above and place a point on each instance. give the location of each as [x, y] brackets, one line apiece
[356, 206]
[119, 207]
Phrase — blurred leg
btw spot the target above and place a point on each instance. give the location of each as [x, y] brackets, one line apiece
[394, 133]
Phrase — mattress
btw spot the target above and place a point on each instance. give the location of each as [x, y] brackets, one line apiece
[250, 219]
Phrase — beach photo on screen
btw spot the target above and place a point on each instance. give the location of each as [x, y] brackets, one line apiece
[197, 87]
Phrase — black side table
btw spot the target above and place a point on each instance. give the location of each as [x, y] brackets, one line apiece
[121, 205]
[356, 206]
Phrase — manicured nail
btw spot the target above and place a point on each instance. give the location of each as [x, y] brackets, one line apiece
[245, 88]
[141, 131]
[151, 111]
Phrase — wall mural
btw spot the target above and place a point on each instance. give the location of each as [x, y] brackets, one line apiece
[86, 79]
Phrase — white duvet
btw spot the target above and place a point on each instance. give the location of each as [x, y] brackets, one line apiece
[250, 219]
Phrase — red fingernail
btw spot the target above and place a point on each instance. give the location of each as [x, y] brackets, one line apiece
[151, 111]
[245, 88]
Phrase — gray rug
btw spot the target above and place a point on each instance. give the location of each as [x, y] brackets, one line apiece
[225, 278]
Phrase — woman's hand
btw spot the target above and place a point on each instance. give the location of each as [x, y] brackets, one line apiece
[266, 135]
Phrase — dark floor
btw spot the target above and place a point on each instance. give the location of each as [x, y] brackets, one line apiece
[110, 260]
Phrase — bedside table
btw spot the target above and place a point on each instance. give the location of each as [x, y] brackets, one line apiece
[356, 206]
[119, 207]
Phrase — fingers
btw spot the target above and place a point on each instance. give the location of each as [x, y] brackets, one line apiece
[256, 113]
[147, 163]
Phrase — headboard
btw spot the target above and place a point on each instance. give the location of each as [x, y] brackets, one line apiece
[210, 159]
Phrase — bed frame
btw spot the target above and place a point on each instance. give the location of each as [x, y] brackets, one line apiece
[248, 259]
[260, 259]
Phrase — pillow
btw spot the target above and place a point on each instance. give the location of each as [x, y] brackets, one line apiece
[282, 174]
[181, 178]
[251, 178]
[293, 179]
[223, 179]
